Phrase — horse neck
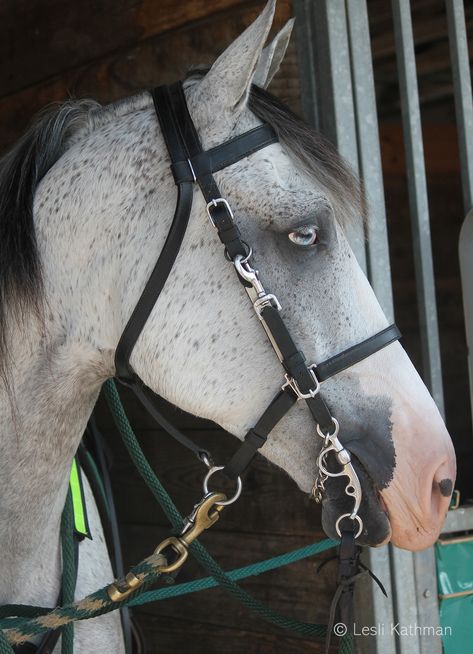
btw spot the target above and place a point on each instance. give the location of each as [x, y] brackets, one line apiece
[41, 422]
[58, 367]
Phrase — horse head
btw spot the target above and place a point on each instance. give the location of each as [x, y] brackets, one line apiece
[202, 347]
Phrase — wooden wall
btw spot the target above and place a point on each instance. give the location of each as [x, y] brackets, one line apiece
[108, 50]
[53, 49]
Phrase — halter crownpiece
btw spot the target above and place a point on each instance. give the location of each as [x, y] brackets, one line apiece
[190, 164]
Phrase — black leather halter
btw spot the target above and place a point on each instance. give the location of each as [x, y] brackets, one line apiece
[191, 164]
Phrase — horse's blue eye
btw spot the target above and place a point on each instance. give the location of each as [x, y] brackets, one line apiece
[304, 236]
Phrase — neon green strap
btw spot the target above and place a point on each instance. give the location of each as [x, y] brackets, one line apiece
[81, 525]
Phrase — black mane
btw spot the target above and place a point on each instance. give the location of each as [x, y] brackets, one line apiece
[316, 155]
[21, 170]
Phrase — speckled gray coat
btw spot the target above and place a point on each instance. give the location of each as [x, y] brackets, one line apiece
[101, 216]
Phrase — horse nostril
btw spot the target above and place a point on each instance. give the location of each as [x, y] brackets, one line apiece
[446, 487]
[442, 488]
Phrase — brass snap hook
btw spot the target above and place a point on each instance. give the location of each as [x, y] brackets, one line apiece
[204, 515]
[121, 589]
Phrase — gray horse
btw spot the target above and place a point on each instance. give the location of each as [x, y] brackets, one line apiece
[86, 200]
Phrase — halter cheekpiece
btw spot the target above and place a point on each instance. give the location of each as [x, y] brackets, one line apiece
[190, 164]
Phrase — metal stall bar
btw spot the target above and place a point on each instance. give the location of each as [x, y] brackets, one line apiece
[326, 27]
[328, 104]
[419, 208]
[306, 61]
[372, 608]
[369, 154]
[459, 55]
[418, 570]
[426, 594]
[460, 61]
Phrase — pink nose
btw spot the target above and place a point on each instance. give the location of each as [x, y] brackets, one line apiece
[417, 522]
[437, 501]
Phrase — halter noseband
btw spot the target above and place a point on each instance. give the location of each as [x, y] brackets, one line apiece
[191, 164]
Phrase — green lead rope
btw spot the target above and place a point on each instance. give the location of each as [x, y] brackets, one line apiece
[69, 568]
[238, 574]
[199, 552]
[102, 604]
[36, 620]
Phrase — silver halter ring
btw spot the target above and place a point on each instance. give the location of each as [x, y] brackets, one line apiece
[349, 515]
[334, 433]
[211, 472]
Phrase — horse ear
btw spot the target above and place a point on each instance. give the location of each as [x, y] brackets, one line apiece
[272, 56]
[226, 86]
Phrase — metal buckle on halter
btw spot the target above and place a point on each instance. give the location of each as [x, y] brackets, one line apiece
[214, 203]
[268, 300]
[290, 381]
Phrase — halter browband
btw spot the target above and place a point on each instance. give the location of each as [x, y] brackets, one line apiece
[190, 164]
